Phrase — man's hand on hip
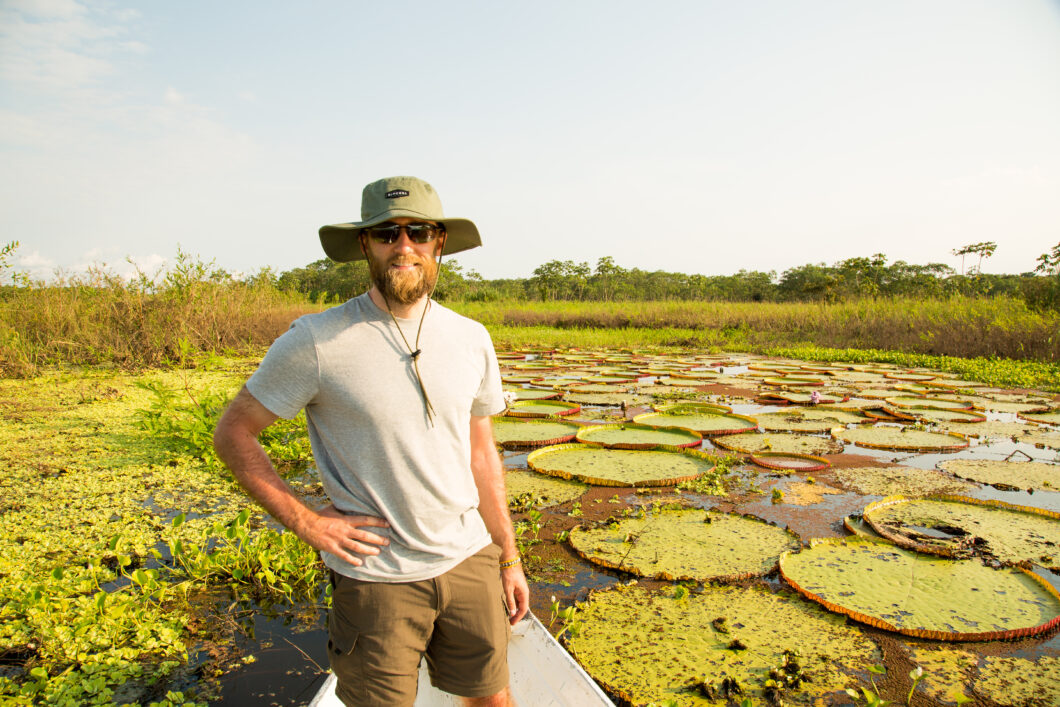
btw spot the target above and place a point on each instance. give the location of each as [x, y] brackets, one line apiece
[340, 534]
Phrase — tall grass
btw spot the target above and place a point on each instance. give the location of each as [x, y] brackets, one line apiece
[102, 318]
[956, 326]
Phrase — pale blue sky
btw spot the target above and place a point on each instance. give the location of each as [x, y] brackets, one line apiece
[688, 136]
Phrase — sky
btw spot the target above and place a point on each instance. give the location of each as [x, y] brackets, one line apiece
[700, 137]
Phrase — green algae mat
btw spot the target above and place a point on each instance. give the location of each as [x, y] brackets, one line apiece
[1007, 474]
[685, 544]
[634, 436]
[528, 489]
[921, 595]
[620, 467]
[705, 423]
[697, 649]
[514, 432]
[957, 526]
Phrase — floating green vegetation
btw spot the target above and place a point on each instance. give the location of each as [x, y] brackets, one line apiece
[1020, 682]
[685, 544]
[705, 423]
[753, 442]
[947, 671]
[820, 419]
[921, 595]
[1006, 474]
[1047, 418]
[533, 393]
[514, 432]
[797, 398]
[686, 407]
[802, 493]
[606, 398]
[888, 481]
[541, 408]
[712, 646]
[1017, 432]
[932, 403]
[527, 489]
[620, 467]
[907, 439]
[944, 416]
[634, 436]
[781, 461]
[955, 526]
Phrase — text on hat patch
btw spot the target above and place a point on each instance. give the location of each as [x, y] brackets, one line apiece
[395, 193]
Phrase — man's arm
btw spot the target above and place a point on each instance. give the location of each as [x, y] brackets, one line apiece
[236, 442]
[493, 506]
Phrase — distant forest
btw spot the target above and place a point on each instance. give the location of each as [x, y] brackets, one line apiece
[853, 278]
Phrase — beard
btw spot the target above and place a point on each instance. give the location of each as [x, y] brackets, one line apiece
[404, 286]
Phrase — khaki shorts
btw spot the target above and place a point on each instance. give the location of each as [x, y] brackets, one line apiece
[378, 631]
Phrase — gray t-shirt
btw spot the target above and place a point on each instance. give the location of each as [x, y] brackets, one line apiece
[375, 449]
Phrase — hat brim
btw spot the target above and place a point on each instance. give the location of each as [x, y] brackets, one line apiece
[341, 241]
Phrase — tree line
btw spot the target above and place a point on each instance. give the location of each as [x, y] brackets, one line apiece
[568, 280]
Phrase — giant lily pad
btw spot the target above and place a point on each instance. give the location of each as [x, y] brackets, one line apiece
[892, 480]
[634, 436]
[1049, 418]
[605, 398]
[650, 647]
[515, 433]
[956, 526]
[1028, 434]
[706, 424]
[795, 398]
[527, 489]
[685, 544]
[901, 438]
[1019, 475]
[815, 419]
[919, 595]
[542, 408]
[692, 407]
[782, 461]
[534, 393]
[620, 467]
[936, 403]
[753, 442]
[946, 416]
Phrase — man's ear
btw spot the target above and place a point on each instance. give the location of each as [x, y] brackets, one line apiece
[364, 247]
[441, 245]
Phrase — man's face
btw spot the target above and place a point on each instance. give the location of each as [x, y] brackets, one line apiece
[404, 271]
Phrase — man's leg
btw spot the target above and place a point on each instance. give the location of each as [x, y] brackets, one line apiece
[377, 633]
[501, 699]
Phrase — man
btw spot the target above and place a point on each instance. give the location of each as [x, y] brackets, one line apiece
[397, 391]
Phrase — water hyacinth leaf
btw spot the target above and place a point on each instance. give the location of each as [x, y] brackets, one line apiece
[634, 436]
[893, 480]
[620, 467]
[527, 489]
[707, 424]
[901, 438]
[1007, 474]
[542, 408]
[958, 526]
[921, 595]
[516, 433]
[754, 442]
[650, 647]
[685, 544]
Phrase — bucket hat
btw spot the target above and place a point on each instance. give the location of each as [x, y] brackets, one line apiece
[396, 197]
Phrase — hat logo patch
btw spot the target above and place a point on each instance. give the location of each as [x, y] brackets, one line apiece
[395, 193]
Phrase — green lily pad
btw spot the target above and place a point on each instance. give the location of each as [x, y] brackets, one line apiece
[956, 526]
[920, 595]
[901, 438]
[634, 436]
[695, 375]
[612, 399]
[542, 408]
[706, 424]
[816, 419]
[1020, 682]
[1019, 475]
[620, 467]
[945, 416]
[528, 489]
[1028, 434]
[753, 442]
[649, 647]
[936, 403]
[888, 481]
[782, 461]
[577, 387]
[685, 544]
[797, 398]
[515, 433]
[692, 407]
[534, 393]
[1048, 418]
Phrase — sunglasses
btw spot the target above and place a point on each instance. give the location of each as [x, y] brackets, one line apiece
[417, 232]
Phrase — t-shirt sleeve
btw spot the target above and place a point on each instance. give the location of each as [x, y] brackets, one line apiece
[490, 397]
[288, 378]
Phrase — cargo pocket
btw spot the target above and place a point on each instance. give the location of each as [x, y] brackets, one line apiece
[346, 665]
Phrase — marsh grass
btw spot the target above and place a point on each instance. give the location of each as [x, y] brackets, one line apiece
[957, 326]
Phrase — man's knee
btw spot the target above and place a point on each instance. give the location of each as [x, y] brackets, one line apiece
[501, 699]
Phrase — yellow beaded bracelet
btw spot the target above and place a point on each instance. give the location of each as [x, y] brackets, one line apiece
[511, 563]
